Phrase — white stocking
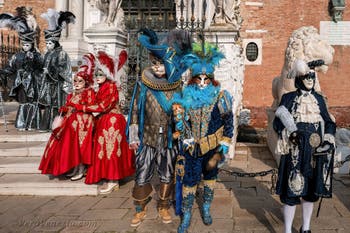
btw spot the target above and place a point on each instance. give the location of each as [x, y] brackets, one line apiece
[288, 213]
[307, 208]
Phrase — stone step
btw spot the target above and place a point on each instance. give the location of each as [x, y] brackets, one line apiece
[41, 185]
[22, 149]
[21, 165]
[12, 135]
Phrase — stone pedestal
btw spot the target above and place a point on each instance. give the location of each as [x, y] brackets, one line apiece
[113, 40]
[230, 72]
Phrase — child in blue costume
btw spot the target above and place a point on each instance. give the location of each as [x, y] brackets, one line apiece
[206, 129]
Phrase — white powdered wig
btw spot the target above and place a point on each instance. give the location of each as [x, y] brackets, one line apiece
[299, 68]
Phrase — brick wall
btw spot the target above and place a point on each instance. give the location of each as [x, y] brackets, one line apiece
[280, 19]
[39, 7]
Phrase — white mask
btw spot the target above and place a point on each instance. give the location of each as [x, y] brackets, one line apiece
[310, 81]
[50, 45]
[26, 46]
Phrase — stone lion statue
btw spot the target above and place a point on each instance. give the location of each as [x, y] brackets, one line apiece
[305, 43]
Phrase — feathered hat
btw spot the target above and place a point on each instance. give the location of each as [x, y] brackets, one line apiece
[170, 51]
[302, 69]
[108, 66]
[177, 39]
[57, 21]
[26, 30]
[203, 59]
[87, 70]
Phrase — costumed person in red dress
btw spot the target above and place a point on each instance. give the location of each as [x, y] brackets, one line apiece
[112, 158]
[70, 144]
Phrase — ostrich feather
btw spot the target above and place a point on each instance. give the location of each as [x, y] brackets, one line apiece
[13, 22]
[51, 16]
[65, 18]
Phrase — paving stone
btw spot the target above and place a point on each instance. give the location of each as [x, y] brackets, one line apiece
[107, 214]
[120, 226]
[109, 203]
[79, 205]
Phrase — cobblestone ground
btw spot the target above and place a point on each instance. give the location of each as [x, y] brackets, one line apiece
[241, 205]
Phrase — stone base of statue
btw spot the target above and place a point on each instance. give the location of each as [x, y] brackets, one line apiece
[75, 49]
[110, 38]
[222, 27]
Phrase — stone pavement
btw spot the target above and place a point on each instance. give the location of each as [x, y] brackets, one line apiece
[241, 205]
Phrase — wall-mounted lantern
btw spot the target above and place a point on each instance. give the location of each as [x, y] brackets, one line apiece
[335, 9]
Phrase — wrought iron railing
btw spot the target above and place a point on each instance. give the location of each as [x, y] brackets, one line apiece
[9, 45]
[161, 16]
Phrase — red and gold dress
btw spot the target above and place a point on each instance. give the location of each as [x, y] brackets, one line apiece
[70, 144]
[112, 159]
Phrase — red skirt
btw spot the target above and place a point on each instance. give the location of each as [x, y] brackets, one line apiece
[69, 145]
[112, 159]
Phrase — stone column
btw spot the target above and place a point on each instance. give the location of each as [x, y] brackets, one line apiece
[74, 43]
[230, 71]
[76, 30]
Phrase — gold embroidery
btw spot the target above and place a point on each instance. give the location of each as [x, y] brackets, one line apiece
[101, 142]
[85, 122]
[159, 86]
[111, 136]
[74, 125]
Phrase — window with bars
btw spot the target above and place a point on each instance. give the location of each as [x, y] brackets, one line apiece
[252, 51]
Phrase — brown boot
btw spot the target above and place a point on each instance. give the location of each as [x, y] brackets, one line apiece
[165, 215]
[138, 218]
[141, 199]
[163, 202]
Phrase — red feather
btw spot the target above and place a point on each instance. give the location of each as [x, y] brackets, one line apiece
[106, 64]
[89, 59]
[123, 56]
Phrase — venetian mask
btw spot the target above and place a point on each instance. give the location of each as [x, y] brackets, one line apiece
[100, 77]
[27, 47]
[50, 45]
[309, 80]
[158, 68]
[78, 83]
[202, 81]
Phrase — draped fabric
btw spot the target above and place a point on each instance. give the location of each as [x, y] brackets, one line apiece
[301, 173]
[71, 143]
[112, 159]
[54, 84]
[25, 69]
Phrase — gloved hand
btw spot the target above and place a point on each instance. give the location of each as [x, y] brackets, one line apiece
[179, 126]
[223, 149]
[295, 137]
[63, 109]
[188, 143]
[326, 146]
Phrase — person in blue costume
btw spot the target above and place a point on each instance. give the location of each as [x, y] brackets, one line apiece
[149, 123]
[306, 143]
[205, 128]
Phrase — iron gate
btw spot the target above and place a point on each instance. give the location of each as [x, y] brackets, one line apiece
[159, 15]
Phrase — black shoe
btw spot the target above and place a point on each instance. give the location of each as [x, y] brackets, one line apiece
[301, 230]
